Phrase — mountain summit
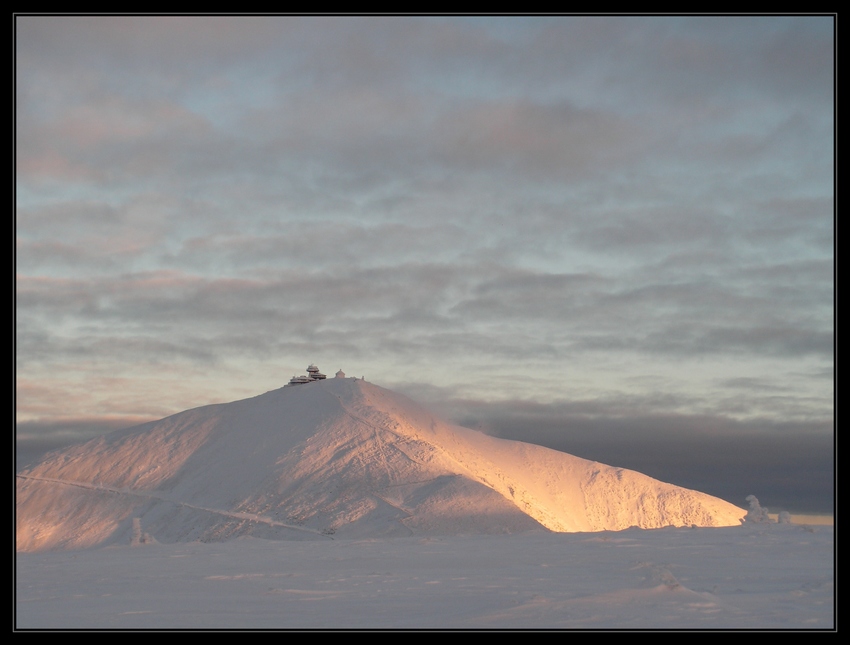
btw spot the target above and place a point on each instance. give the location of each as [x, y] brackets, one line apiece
[329, 458]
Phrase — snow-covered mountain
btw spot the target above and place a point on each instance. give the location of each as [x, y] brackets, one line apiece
[337, 457]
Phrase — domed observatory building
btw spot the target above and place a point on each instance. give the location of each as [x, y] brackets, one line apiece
[313, 374]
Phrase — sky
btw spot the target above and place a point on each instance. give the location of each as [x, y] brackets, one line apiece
[611, 235]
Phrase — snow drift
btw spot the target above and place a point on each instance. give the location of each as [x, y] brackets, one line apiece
[339, 457]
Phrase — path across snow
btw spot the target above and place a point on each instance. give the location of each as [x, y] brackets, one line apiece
[152, 494]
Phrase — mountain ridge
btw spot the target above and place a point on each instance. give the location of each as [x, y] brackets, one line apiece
[337, 457]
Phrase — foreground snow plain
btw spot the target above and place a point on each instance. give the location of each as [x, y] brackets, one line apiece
[754, 576]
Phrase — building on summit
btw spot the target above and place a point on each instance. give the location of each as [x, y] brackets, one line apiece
[313, 374]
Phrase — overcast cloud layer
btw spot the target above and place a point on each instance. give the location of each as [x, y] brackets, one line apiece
[562, 229]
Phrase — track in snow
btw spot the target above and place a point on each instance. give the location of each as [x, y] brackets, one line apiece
[153, 495]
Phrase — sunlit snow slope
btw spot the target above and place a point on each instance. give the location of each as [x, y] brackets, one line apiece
[332, 458]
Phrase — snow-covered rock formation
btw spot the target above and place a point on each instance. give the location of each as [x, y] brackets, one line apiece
[336, 457]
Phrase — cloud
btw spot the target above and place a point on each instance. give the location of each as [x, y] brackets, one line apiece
[636, 211]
